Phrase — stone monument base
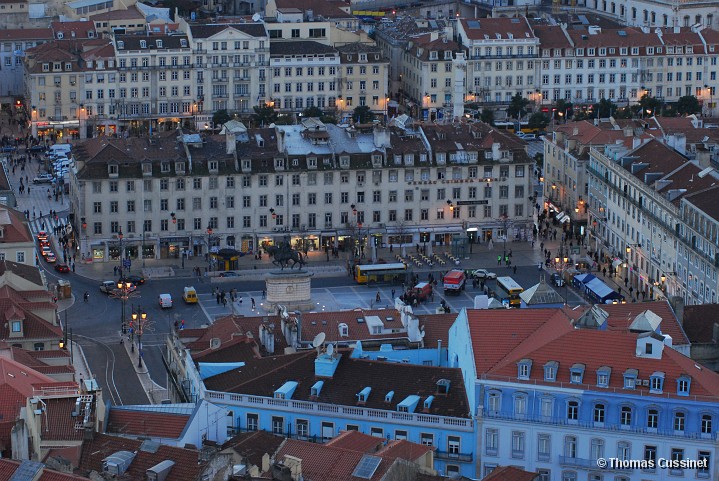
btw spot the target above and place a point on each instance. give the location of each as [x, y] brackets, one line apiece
[289, 288]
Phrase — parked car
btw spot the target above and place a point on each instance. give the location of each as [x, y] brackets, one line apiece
[557, 280]
[189, 295]
[50, 258]
[110, 287]
[228, 274]
[137, 280]
[42, 179]
[529, 137]
[484, 274]
[62, 268]
[165, 301]
[42, 236]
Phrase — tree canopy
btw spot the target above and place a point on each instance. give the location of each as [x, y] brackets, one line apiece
[362, 114]
[517, 106]
[220, 118]
[264, 115]
[687, 105]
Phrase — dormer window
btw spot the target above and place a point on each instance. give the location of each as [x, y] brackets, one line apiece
[630, 378]
[656, 382]
[363, 395]
[246, 165]
[448, 55]
[550, 371]
[183, 43]
[158, 43]
[683, 385]
[433, 55]
[180, 167]
[213, 166]
[345, 162]
[68, 66]
[343, 329]
[113, 170]
[576, 374]
[16, 328]
[165, 167]
[523, 369]
[316, 389]
[120, 44]
[143, 43]
[603, 376]
[443, 386]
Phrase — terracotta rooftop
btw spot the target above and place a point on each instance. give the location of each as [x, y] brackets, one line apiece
[706, 201]
[57, 422]
[253, 445]
[699, 322]
[510, 473]
[26, 34]
[127, 422]
[300, 47]
[208, 30]
[74, 29]
[501, 341]
[9, 467]
[621, 317]
[262, 377]
[497, 28]
[130, 13]
[101, 446]
[15, 227]
[337, 459]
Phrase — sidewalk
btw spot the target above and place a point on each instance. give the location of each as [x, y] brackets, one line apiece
[79, 362]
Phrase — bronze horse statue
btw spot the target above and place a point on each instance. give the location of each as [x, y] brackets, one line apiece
[283, 254]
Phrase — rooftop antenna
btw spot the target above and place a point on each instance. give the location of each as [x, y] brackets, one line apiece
[318, 341]
[330, 349]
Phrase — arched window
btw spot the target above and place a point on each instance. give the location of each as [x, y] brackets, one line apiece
[625, 416]
[572, 410]
[652, 418]
[679, 420]
[569, 476]
[599, 413]
[570, 446]
[623, 450]
[706, 426]
[494, 401]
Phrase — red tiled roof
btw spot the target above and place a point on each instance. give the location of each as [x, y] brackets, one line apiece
[706, 201]
[621, 317]
[699, 321]
[253, 445]
[510, 473]
[57, 423]
[29, 273]
[9, 467]
[356, 441]
[81, 29]
[144, 423]
[70, 454]
[101, 446]
[503, 26]
[16, 228]
[26, 34]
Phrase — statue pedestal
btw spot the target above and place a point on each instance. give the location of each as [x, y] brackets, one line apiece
[288, 288]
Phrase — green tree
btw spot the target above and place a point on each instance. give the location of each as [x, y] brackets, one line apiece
[487, 116]
[565, 108]
[362, 114]
[605, 108]
[517, 107]
[687, 105]
[312, 112]
[220, 118]
[538, 120]
[264, 115]
[649, 105]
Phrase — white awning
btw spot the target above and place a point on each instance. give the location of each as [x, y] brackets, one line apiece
[616, 262]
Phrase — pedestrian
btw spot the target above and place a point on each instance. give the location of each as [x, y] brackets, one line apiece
[377, 297]
[514, 269]
[217, 297]
[499, 260]
[626, 281]
[252, 301]
[604, 272]
[240, 300]
[73, 266]
[263, 293]
[393, 293]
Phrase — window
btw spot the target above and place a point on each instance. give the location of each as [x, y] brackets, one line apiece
[303, 428]
[494, 400]
[625, 416]
[520, 404]
[546, 405]
[570, 447]
[706, 426]
[656, 381]
[518, 444]
[427, 439]
[683, 384]
[596, 448]
[491, 437]
[278, 424]
[253, 422]
[453, 445]
[377, 432]
[703, 468]
[623, 450]
[599, 413]
[650, 454]
[652, 418]
[544, 447]
[572, 410]
[679, 418]
[677, 455]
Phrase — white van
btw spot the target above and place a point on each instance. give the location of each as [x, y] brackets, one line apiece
[57, 148]
[165, 301]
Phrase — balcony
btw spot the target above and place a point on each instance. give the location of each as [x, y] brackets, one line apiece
[578, 462]
[358, 413]
[494, 57]
[449, 456]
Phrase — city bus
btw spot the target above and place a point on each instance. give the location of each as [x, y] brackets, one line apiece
[512, 288]
[366, 273]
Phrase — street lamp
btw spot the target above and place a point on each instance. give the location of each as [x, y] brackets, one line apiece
[710, 91]
[209, 243]
[119, 236]
[560, 264]
[123, 293]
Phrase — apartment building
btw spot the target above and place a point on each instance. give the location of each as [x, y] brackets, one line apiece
[433, 77]
[61, 80]
[566, 153]
[16, 240]
[15, 41]
[698, 256]
[634, 198]
[658, 13]
[311, 181]
[559, 398]
[363, 76]
[501, 58]
[231, 63]
[305, 73]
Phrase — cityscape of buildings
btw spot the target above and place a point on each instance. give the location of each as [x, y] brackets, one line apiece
[582, 135]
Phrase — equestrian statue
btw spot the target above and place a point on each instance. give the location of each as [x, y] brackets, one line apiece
[283, 253]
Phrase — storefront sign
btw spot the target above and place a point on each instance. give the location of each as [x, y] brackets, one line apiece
[472, 202]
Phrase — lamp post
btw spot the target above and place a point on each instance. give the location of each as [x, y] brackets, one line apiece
[560, 263]
[209, 244]
[123, 293]
[141, 321]
[119, 236]
[710, 91]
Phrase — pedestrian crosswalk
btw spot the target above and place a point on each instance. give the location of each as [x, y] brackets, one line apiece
[52, 225]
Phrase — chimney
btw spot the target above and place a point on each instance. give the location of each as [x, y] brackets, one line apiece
[265, 462]
[677, 304]
[433, 36]
[496, 155]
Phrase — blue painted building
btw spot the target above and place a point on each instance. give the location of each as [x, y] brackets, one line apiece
[562, 401]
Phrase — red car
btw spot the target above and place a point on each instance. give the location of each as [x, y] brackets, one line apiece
[62, 268]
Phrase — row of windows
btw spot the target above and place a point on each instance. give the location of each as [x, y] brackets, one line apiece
[571, 449]
[310, 220]
[320, 71]
[627, 414]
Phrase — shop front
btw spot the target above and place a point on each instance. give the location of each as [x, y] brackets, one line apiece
[305, 242]
[148, 251]
[329, 239]
[172, 247]
[98, 252]
[247, 244]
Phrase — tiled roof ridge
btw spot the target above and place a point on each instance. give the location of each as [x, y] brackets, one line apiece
[234, 341]
[295, 358]
[549, 327]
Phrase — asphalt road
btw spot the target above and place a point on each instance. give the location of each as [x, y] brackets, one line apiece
[96, 324]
